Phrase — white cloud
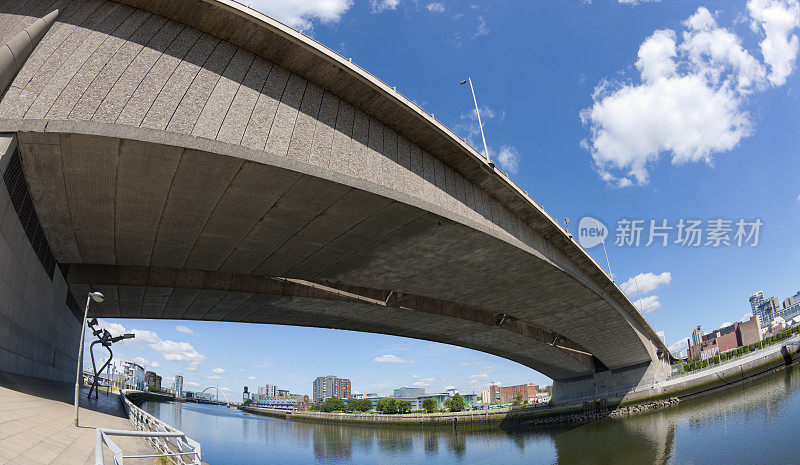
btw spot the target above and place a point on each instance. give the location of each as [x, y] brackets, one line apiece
[644, 283]
[389, 358]
[172, 351]
[678, 348]
[798, 198]
[251, 378]
[647, 304]
[185, 330]
[301, 14]
[193, 384]
[478, 378]
[660, 334]
[427, 382]
[727, 323]
[508, 158]
[435, 7]
[214, 377]
[219, 371]
[146, 364]
[481, 29]
[777, 18]
[746, 316]
[689, 100]
[379, 6]
[636, 2]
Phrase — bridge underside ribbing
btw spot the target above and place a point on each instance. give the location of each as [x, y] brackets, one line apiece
[213, 164]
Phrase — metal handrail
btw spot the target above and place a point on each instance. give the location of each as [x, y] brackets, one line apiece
[167, 440]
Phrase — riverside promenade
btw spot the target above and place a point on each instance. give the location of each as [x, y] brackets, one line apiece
[37, 424]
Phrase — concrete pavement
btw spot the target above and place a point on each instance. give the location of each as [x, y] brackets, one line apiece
[37, 424]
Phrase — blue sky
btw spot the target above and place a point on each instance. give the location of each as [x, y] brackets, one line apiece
[613, 110]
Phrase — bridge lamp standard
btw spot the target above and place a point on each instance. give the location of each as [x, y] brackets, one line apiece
[478, 112]
[97, 297]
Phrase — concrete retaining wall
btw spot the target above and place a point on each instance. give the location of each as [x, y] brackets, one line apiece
[38, 333]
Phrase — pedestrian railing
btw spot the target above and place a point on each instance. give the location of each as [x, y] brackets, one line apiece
[169, 442]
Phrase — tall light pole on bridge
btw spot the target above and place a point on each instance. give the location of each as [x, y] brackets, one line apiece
[478, 113]
[97, 297]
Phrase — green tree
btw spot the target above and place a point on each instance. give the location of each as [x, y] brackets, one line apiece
[403, 406]
[247, 403]
[456, 403]
[517, 400]
[352, 405]
[333, 404]
[364, 405]
[429, 404]
[387, 405]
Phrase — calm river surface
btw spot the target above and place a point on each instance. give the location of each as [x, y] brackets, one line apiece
[757, 422]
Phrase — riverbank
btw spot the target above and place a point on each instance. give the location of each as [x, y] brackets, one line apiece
[658, 396]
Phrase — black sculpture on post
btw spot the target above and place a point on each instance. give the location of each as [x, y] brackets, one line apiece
[104, 338]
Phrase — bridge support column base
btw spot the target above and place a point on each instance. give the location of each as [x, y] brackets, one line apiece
[613, 385]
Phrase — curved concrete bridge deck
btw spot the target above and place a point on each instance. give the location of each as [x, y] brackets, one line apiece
[200, 160]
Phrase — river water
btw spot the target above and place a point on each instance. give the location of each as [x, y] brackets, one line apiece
[750, 423]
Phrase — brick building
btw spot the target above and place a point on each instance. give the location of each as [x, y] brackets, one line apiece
[152, 379]
[329, 386]
[506, 394]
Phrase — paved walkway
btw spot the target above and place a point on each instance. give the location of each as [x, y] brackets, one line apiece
[37, 424]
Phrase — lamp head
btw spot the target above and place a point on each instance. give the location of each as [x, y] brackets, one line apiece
[97, 296]
[463, 82]
[91, 323]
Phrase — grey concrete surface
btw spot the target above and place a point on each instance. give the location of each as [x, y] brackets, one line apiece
[196, 150]
[37, 424]
[38, 333]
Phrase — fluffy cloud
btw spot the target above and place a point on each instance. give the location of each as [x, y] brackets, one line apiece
[184, 330]
[219, 371]
[508, 158]
[644, 283]
[426, 382]
[389, 358]
[689, 100]
[172, 351]
[435, 7]
[647, 304]
[146, 364]
[777, 18]
[251, 378]
[383, 5]
[678, 348]
[301, 14]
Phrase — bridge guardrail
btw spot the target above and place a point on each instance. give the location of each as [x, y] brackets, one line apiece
[167, 440]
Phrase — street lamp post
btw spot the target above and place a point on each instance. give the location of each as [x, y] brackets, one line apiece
[478, 112]
[97, 297]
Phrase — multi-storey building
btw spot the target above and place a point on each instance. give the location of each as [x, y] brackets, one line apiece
[697, 336]
[506, 394]
[755, 301]
[132, 373]
[152, 379]
[768, 309]
[750, 331]
[329, 386]
[179, 385]
[262, 392]
[406, 391]
[270, 390]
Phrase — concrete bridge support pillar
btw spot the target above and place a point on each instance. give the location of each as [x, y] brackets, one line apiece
[611, 384]
[14, 53]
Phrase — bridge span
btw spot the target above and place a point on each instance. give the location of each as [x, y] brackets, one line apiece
[204, 161]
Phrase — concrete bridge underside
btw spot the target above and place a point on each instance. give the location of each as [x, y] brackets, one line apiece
[209, 163]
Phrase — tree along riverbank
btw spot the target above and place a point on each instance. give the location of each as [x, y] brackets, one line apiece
[564, 414]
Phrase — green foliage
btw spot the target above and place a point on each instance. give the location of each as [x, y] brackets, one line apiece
[430, 404]
[517, 401]
[387, 405]
[333, 404]
[352, 405]
[364, 405]
[456, 403]
[403, 406]
[247, 403]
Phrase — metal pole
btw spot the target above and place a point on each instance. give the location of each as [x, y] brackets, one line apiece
[480, 124]
[80, 357]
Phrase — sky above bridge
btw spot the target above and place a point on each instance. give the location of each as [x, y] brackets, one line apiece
[669, 127]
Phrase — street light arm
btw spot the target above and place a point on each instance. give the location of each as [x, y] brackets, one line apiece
[480, 123]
